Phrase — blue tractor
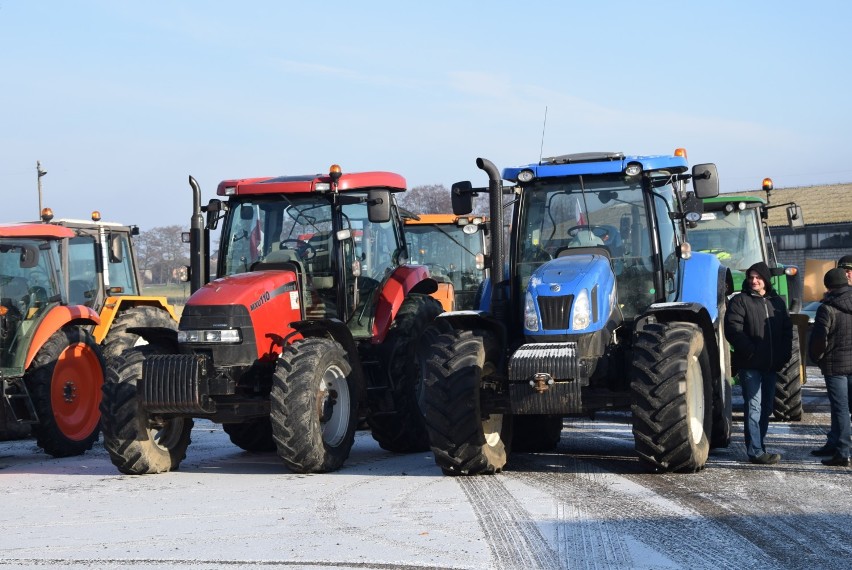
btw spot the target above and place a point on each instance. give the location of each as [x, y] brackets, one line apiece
[595, 302]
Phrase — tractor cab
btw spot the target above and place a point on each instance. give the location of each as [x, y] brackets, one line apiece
[30, 283]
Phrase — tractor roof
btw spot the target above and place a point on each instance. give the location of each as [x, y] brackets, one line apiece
[311, 183]
[718, 202]
[596, 163]
[35, 230]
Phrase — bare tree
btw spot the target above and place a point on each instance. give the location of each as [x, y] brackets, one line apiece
[160, 251]
[428, 199]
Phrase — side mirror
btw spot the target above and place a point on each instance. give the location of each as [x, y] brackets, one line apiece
[114, 248]
[705, 180]
[29, 257]
[214, 207]
[795, 219]
[379, 205]
[461, 195]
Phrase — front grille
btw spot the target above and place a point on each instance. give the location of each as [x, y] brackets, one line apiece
[555, 311]
[176, 384]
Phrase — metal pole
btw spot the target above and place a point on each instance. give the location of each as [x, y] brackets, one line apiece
[39, 173]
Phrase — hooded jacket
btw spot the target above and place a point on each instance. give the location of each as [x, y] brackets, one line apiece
[759, 327]
[831, 338]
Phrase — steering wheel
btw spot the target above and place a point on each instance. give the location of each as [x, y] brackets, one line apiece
[600, 232]
[303, 248]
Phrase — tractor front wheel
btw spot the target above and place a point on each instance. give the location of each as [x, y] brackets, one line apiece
[118, 339]
[138, 443]
[64, 381]
[672, 403]
[313, 406]
[464, 439]
[252, 435]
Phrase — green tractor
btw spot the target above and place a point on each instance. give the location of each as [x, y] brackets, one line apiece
[734, 228]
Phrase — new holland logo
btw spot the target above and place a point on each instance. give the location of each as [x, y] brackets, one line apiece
[263, 299]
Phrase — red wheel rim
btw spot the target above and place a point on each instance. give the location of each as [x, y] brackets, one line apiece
[75, 391]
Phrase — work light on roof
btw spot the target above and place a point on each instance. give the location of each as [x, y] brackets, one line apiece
[525, 175]
[470, 228]
[230, 190]
[633, 169]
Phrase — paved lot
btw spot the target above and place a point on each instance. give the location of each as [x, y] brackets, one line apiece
[587, 505]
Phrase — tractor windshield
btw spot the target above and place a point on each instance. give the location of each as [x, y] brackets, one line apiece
[264, 232]
[29, 281]
[608, 213]
[450, 254]
[735, 237]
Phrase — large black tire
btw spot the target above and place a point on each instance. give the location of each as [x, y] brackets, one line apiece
[536, 432]
[64, 381]
[313, 406]
[252, 435]
[788, 387]
[671, 390]
[463, 440]
[118, 340]
[404, 429]
[137, 443]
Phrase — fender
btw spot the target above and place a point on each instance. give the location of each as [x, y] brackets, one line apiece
[114, 305]
[700, 282]
[403, 280]
[55, 319]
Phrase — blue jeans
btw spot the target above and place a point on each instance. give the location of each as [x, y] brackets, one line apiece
[839, 394]
[759, 398]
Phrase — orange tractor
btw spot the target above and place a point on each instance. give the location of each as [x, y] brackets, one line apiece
[50, 365]
[454, 249]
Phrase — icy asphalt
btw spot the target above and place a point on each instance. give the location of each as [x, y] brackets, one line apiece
[587, 505]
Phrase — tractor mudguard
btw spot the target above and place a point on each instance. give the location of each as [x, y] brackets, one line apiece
[403, 280]
[700, 283]
[54, 320]
[115, 305]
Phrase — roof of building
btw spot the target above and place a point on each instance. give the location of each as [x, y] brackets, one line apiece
[829, 204]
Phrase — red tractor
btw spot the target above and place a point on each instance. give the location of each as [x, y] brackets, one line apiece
[309, 328]
[51, 368]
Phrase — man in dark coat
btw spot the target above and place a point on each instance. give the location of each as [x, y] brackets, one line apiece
[760, 331]
[831, 348]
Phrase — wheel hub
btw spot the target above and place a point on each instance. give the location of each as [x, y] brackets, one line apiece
[69, 392]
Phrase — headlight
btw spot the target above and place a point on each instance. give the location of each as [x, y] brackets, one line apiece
[582, 312]
[530, 316]
[216, 336]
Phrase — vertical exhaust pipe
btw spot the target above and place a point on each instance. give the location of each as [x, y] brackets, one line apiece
[498, 273]
[198, 270]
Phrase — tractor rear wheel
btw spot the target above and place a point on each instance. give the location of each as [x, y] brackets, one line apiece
[64, 381]
[788, 387]
[138, 443]
[252, 435]
[672, 407]
[313, 406]
[118, 340]
[465, 441]
[403, 430]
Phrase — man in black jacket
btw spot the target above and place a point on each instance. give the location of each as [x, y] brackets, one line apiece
[760, 331]
[831, 348]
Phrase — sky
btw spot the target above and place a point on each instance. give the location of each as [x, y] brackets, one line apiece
[121, 101]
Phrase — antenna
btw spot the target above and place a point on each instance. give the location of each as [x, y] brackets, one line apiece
[543, 128]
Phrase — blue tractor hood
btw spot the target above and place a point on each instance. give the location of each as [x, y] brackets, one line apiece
[572, 294]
